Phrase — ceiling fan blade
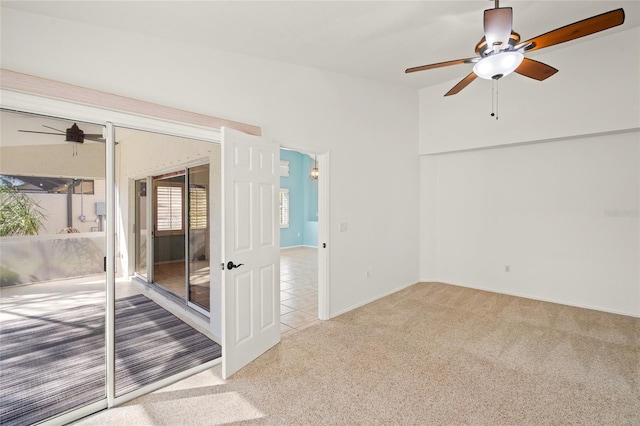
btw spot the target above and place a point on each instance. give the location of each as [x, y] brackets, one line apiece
[52, 128]
[442, 64]
[576, 30]
[535, 69]
[497, 26]
[463, 83]
[41, 133]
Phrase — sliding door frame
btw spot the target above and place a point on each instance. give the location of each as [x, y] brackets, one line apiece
[133, 257]
[187, 240]
[45, 97]
[151, 217]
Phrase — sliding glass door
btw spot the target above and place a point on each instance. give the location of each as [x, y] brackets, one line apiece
[72, 341]
[169, 235]
[52, 254]
[198, 262]
[180, 247]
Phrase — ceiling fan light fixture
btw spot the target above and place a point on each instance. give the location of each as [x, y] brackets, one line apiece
[498, 65]
[497, 26]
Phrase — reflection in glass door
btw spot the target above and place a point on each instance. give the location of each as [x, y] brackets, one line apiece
[198, 282]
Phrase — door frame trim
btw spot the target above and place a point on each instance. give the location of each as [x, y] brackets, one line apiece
[324, 287]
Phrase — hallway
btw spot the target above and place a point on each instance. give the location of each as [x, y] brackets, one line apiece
[298, 288]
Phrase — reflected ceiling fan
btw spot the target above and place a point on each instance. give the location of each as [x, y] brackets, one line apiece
[72, 134]
[500, 51]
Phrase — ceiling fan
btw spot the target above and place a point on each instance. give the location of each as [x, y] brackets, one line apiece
[500, 51]
[72, 134]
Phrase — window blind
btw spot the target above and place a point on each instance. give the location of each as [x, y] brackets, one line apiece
[197, 207]
[169, 208]
[284, 208]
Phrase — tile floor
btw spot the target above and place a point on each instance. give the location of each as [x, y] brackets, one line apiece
[298, 288]
[171, 276]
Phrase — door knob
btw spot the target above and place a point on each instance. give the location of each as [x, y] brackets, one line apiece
[230, 265]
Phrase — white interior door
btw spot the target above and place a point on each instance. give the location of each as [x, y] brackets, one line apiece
[251, 249]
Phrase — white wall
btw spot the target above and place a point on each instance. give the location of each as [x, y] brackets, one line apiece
[562, 215]
[561, 212]
[366, 126]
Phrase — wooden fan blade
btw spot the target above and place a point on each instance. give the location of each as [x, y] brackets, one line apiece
[442, 64]
[536, 70]
[576, 30]
[463, 83]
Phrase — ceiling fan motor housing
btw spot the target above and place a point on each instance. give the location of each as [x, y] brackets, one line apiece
[74, 134]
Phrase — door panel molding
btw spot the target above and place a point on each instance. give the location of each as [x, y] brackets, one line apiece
[251, 291]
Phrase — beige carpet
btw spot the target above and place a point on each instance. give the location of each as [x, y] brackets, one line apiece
[430, 354]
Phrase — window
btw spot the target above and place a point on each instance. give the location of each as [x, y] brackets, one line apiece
[284, 168]
[197, 207]
[168, 207]
[284, 208]
[48, 185]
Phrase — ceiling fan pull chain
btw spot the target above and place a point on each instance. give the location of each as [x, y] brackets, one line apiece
[497, 98]
[494, 98]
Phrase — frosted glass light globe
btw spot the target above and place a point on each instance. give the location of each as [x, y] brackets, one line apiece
[498, 65]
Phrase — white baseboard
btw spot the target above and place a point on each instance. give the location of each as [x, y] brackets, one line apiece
[302, 245]
[542, 299]
[290, 247]
[366, 302]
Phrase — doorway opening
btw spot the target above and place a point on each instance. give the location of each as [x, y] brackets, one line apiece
[175, 218]
[299, 240]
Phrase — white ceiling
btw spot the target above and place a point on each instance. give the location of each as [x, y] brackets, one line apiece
[376, 40]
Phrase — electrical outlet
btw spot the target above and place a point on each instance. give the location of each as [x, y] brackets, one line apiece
[507, 268]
